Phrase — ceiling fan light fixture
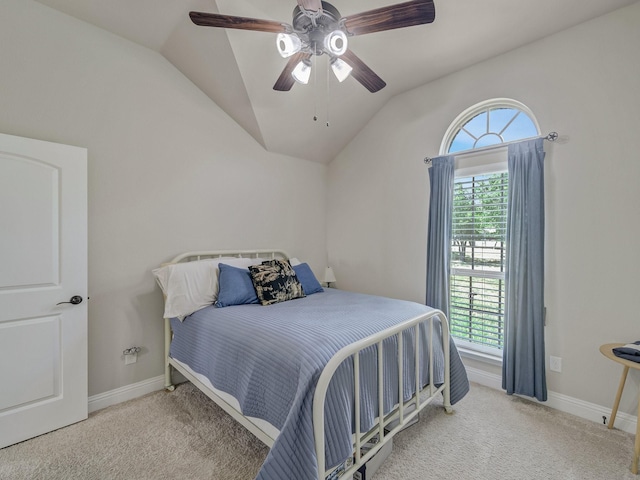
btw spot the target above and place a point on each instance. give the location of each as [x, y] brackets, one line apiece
[341, 69]
[336, 43]
[302, 71]
[288, 44]
[318, 28]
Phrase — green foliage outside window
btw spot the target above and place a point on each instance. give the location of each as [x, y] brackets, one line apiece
[477, 259]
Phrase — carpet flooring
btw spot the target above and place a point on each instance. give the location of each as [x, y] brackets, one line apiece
[182, 434]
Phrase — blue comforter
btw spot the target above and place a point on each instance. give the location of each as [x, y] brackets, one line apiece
[270, 358]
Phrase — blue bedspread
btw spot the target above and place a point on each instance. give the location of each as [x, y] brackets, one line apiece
[270, 358]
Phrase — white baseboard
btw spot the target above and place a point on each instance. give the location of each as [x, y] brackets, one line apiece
[128, 392]
[564, 403]
[484, 378]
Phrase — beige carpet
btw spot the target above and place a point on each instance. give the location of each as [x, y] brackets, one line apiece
[183, 435]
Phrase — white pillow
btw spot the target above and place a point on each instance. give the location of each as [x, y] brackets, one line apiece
[294, 261]
[191, 286]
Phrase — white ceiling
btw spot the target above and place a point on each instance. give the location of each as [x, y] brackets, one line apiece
[238, 68]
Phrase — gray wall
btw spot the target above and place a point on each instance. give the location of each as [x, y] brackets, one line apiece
[583, 83]
[168, 172]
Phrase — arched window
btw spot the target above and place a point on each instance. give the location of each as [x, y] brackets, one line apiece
[489, 123]
[479, 220]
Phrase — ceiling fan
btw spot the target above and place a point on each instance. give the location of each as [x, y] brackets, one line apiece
[318, 28]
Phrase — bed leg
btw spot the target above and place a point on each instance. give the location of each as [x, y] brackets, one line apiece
[446, 399]
[168, 383]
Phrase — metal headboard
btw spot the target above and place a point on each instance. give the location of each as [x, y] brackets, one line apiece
[202, 255]
[193, 256]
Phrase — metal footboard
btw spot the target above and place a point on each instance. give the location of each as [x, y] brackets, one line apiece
[421, 398]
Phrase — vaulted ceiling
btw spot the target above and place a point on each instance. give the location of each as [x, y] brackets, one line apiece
[237, 69]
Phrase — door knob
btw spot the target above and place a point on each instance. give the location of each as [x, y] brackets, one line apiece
[75, 300]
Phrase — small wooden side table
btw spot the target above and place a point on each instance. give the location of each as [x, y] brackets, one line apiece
[607, 351]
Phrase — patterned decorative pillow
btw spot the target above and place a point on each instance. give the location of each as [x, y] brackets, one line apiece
[275, 281]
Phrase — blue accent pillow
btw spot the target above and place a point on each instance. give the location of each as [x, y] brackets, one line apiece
[236, 287]
[308, 280]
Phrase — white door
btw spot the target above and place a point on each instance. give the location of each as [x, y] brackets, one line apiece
[43, 261]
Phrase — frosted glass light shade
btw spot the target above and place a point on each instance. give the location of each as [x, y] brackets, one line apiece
[336, 43]
[341, 69]
[288, 44]
[302, 72]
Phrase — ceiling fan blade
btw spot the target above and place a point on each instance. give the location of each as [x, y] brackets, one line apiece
[416, 12]
[362, 73]
[242, 23]
[313, 5]
[285, 80]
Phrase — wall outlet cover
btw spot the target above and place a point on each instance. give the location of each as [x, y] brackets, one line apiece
[555, 364]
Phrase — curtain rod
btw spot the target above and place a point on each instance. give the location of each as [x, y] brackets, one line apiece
[552, 137]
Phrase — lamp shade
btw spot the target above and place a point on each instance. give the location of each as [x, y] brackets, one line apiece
[329, 276]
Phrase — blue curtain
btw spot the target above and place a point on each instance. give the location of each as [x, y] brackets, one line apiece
[523, 368]
[441, 176]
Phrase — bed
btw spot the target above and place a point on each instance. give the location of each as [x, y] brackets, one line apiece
[325, 380]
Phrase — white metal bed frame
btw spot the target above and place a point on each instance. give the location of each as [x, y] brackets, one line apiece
[401, 416]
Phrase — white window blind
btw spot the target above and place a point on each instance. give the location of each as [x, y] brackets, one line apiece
[478, 259]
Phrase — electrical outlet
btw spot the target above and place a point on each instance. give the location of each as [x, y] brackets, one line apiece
[131, 355]
[555, 364]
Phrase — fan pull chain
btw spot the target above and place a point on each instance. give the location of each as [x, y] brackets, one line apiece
[315, 93]
[328, 95]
